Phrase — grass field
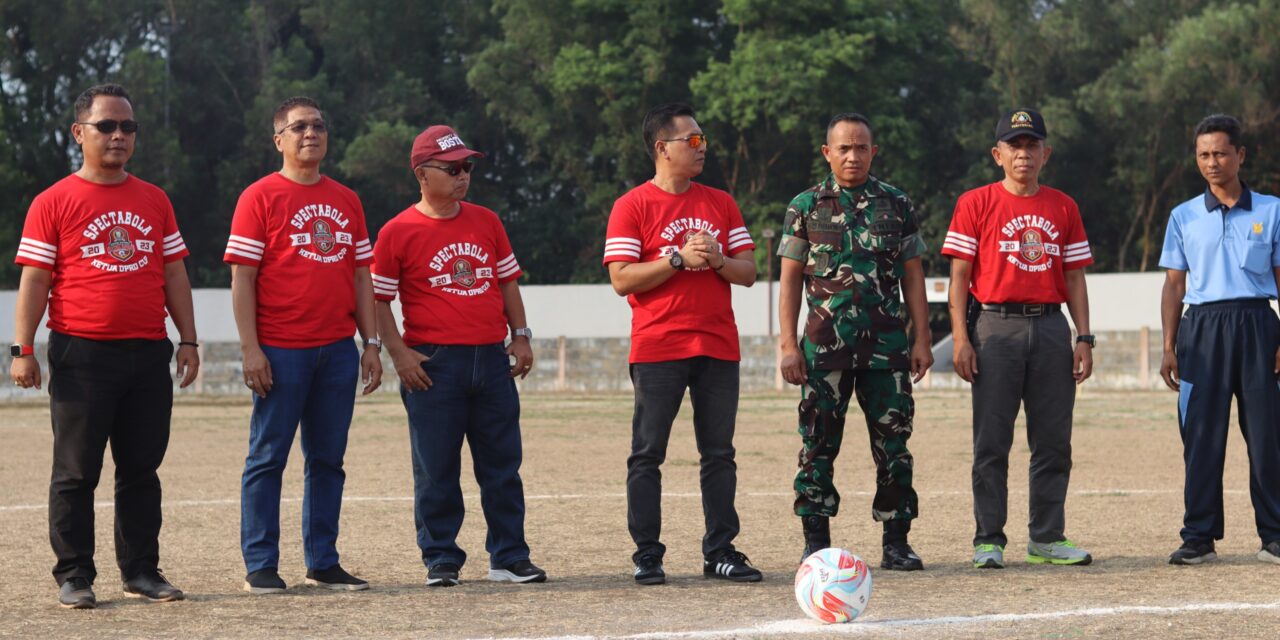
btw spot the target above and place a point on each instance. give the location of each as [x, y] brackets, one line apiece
[1125, 507]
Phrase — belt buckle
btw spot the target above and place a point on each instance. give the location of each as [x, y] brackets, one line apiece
[1033, 309]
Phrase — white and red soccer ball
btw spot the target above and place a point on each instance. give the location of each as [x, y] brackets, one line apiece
[833, 585]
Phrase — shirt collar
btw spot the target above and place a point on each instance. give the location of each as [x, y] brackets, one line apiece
[829, 185]
[1211, 202]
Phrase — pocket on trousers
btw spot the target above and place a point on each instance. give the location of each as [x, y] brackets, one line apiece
[1257, 257]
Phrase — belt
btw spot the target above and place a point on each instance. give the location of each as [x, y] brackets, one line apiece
[1024, 310]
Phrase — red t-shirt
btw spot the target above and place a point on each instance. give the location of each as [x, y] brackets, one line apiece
[691, 314]
[306, 241]
[1020, 246]
[107, 246]
[447, 273]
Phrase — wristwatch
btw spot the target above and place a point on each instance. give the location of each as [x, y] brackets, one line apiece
[373, 342]
[20, 350]
[1087, 339]
[524, 331]
[677, 262]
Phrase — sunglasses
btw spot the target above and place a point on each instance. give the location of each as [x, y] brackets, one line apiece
[300, 128]
[453, 169]
[695, 141]
[110, 126]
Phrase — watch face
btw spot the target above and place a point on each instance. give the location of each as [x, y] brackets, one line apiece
[15, 350]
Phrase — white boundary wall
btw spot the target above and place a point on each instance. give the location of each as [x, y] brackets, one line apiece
[1118, 302]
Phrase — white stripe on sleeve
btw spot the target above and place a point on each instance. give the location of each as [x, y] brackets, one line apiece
[247, 241]
[39, 249]
[231, 251]
[37, 244]
[24, 253]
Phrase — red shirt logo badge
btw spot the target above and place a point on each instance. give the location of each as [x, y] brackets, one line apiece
[462, 273]
[1031, 245]
[120, 247]
[322, 237]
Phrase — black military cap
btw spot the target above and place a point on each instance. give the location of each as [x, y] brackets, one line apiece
[1020, 122]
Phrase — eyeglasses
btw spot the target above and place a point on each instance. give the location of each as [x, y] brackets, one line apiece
[695, 141]
[300, 128]
[453, 169]
[110, 126]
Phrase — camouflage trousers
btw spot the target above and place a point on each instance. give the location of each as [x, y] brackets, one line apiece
[886, 402]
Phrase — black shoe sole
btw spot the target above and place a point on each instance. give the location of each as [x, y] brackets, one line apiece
[175, 597]
[442, 582]
[337, 586]
[750, 578]
[1194, 560]
[899, 567]
[651, 580]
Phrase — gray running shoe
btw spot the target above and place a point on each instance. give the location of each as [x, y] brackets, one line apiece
[988, 556]
[1061, 552]
[77, 593]
[1270, 552]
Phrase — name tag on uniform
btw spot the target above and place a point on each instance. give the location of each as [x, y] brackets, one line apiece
[826, 227]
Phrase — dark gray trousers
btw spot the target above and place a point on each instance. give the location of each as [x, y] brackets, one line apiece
[1022, 362]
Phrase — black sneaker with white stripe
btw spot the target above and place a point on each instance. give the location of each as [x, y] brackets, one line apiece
[444, 574]
[519, 572]
[731, 565]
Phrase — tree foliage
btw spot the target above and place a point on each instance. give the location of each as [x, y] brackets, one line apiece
[554, 92]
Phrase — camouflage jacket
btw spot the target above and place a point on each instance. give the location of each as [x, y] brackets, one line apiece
[853, 243]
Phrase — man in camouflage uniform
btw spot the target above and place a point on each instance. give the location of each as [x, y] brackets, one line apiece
[852, 241]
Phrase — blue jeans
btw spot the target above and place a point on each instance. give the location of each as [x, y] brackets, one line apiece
[316, 387]
[473, 396]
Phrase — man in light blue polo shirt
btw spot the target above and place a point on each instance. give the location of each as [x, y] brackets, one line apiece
[1222, 252]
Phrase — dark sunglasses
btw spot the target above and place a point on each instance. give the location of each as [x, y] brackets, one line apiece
[300, 128]
[453, 169]
[109, 126]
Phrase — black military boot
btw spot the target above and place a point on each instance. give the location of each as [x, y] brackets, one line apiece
[898, 555]
[817, 534]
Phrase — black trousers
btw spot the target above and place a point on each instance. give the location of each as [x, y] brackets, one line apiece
[1228, 349]
[117, 392]
[660, 387]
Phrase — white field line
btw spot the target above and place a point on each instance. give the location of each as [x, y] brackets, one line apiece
[107, 504]
[813, 628]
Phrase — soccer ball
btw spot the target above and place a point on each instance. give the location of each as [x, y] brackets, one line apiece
[833, 585]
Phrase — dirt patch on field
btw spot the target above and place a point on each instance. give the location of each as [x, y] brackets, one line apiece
[1125, 507]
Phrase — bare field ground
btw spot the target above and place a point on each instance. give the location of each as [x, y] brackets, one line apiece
[1125, 507]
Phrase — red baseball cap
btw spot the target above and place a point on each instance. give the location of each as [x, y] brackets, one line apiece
[439, 142]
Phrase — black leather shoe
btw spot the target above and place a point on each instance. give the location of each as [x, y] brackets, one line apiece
[152, 585]
[649, 570]
[519, 572]
[76, 593]
[898, 556]
[817, 534]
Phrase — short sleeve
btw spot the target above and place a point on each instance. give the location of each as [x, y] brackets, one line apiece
[739, 238]
[386, 266]
[912, 245]
[1076, 254]
[962, 236]
[364, 248]
[248, 239]
[622, 241]
[795, 234]
[38, 246]
[1172, 255]
[174, 247]
[508, 268]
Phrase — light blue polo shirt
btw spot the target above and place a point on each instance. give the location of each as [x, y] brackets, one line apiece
[1228, 254]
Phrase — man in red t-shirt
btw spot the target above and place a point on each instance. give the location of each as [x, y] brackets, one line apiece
[102, 250]
[452, 265]
[673, 247]
[1018, 252]
[300, 288]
